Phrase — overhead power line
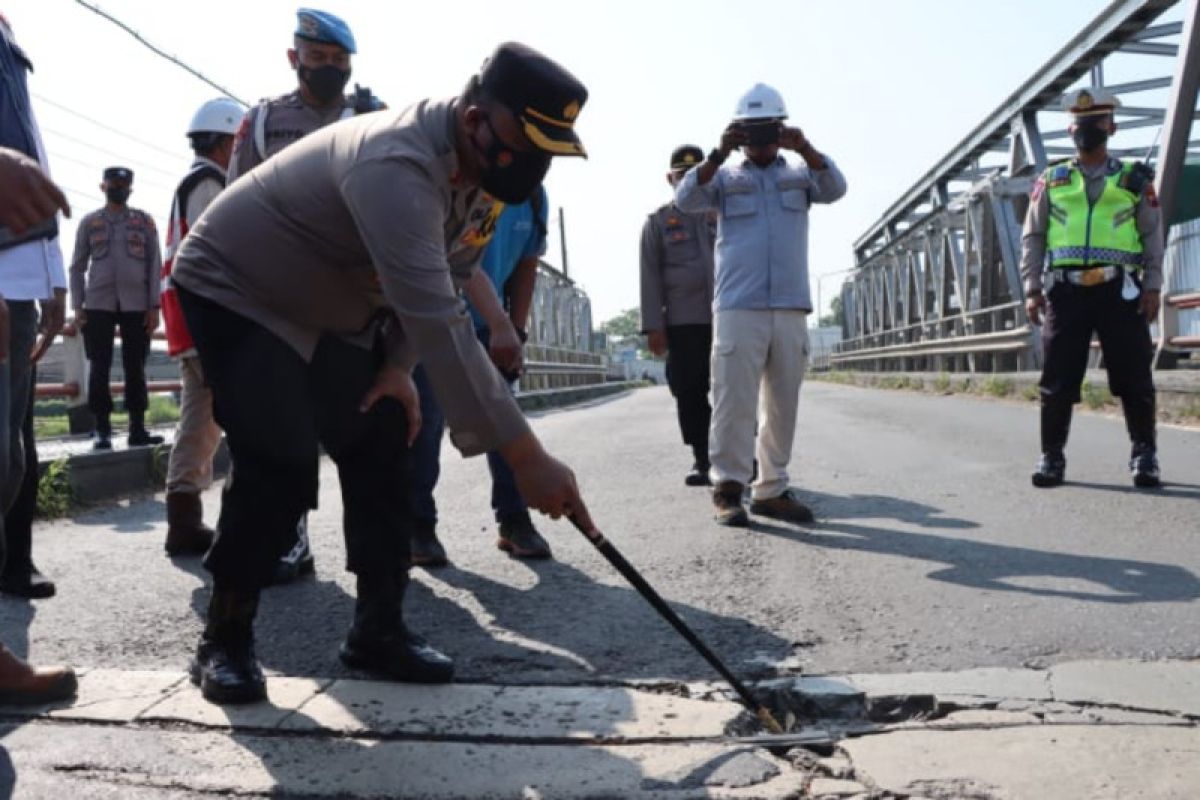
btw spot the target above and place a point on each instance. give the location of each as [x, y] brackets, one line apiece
[56, 157]
[105, 126]
[114, 153]
[159, 52]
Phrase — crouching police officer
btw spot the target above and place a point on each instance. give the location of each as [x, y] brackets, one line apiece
[1095, 221]
[310, 292]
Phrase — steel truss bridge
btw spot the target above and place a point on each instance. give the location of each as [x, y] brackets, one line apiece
[936, 283]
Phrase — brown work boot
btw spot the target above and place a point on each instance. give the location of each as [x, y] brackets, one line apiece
[727, 500]
[186, 532]
[784, 507]
[22, 684]
[519, 538]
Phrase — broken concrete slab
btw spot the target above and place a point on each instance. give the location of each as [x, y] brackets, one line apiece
[481, 712]
[1169, 686]
[284, 696]
[983, 718]
[1008, 684]
[212, 764]
[112, 695]
[1034, 763]
[822, 788]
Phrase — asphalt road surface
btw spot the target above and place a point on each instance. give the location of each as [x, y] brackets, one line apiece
[931, 551]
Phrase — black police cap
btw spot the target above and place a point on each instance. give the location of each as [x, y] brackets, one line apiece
[540, 93]
[686, 157]
[118, 174]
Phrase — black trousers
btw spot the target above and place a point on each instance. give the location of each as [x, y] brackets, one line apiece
[1073, 314]
[689, 363]
[18, 522]
[98, 336]
[275, 408]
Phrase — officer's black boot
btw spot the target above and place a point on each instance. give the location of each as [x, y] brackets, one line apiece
[1052, 466]
[379, 642]
[138, 435]
[103, 434]
[1140, 417]
[225, 667]
[699, 474]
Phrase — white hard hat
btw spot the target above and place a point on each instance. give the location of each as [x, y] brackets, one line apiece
[761, 102]
[222, 115]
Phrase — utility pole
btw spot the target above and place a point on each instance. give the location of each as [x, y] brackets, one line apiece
[562, 240]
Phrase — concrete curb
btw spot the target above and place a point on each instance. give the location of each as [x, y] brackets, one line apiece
[1178, 390]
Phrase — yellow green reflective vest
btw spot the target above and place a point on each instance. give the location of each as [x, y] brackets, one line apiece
[1080, 234]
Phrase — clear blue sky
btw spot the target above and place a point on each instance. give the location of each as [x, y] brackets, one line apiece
[882, 87]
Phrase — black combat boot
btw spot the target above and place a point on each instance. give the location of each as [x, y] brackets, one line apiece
[379, 642]
[700, 466]
[225, 667]
[1055, 427]
[424, 547]
[186, 532]
[103, 434]
[1140, 419]
[138, 435]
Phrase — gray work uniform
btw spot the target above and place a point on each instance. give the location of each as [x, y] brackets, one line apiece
[677, 269]
[358, 218]
[677, 296]
[1037, 220]
[274, 124]
[122, 250]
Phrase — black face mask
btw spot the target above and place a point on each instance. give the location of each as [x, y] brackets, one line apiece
[1090, 134]
[326, 83]
[117, 194]
[511, 176]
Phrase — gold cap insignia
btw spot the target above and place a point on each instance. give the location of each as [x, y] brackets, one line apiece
[571, 111]
[690, 158]
[1084, 100]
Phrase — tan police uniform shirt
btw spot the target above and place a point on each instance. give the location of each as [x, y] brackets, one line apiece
[1037, 219]
[356, 218]
[677, 269]
[117, 262]
[288, 120]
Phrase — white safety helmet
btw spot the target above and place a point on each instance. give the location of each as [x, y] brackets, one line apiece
[761, 102]
[222, 115]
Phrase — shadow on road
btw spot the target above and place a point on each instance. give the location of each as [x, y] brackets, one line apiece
[984, 565]
[1181, 491]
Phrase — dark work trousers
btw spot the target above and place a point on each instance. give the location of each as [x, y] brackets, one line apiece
[16, 390]
[98, 334]
[1073, 314]
[18, 522]
[506, 500]
[275, 409]
[689, 359]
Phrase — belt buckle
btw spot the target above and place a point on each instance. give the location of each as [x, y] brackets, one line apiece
[1091, 277]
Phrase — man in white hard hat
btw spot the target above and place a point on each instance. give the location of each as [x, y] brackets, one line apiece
[1093, 233]
[761, 301]
[189, 470]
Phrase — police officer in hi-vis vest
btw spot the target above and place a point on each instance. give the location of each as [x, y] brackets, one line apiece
[321, 54]
[1092, 263]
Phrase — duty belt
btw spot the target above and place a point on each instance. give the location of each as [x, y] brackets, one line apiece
[1093, 276]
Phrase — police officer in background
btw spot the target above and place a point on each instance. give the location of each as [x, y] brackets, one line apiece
[1095, 222]
[190, 468]
[320, 56]
[677, 295]
[115, 284]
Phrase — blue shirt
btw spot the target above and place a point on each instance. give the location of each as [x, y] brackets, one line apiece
[517, 237]
[762, 229]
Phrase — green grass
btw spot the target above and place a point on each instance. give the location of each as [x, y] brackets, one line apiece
[1031, 393]
[997, 387]
[50, 416]
[55, 498]
[941, 383]
[1093, 396]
